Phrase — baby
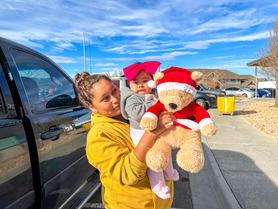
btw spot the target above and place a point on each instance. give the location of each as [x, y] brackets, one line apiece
[134, 103]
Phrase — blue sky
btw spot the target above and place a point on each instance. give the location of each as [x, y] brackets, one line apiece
[212, 34]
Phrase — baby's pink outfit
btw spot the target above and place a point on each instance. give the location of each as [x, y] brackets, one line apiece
[157, 179]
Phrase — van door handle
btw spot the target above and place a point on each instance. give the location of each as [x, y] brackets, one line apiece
[52, 134]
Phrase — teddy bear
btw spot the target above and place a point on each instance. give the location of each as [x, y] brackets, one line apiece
[176, 88]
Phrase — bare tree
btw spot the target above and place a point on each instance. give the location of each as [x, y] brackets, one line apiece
[117, 74]
[269, 56]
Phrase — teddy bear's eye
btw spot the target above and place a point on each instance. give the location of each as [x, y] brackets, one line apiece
[181, 97]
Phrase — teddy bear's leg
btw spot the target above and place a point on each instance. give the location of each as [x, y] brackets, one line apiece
[157, 157]
[191, 157]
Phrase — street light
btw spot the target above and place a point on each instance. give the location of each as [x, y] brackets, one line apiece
[83, 47]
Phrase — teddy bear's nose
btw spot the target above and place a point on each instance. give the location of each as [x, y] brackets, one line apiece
[173, 105]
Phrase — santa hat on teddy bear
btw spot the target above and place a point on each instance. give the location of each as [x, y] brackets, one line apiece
[176, 78]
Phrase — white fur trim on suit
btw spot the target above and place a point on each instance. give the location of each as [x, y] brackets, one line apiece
[174, 85]
[150, 115]
[188, 123]
[205, 122]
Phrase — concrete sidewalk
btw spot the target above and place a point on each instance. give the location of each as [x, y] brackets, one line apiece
[241, 169]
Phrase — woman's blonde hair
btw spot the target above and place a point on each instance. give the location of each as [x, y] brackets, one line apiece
[84, 83]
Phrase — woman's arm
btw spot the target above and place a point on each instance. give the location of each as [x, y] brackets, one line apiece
[149, 137]
[113, 156]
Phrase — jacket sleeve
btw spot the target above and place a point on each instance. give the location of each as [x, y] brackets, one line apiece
[135, 107]
[114, 159]
[153, 111]
[201, 115]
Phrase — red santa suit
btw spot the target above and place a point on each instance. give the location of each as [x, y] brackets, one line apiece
[193, 116]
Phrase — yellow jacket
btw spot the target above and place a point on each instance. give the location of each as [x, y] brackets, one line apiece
[125, 183]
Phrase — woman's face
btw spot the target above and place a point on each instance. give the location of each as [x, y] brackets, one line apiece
[106, 100]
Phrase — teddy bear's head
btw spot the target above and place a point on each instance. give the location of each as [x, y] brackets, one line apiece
[175, 100]
[176, 87]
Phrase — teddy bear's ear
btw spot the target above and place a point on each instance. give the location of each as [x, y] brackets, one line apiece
[197, 76]
[153, 83]
[158, 76]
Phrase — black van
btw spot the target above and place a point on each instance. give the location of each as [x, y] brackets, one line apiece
[43, 129]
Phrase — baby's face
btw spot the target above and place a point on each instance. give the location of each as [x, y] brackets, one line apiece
[139, 84]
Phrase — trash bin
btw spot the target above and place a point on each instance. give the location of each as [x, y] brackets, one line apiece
[226, 104]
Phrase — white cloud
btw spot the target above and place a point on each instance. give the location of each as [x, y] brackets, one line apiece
[135, 30]
[234, 20]
[168, 56]
[164, 56]
[105, 64]
[111, 69]
[61, 59]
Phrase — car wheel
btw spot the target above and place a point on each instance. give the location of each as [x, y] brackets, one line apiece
[202, 103]
[244, 95]
[264, 96]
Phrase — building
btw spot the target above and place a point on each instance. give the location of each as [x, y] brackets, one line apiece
[218, 79]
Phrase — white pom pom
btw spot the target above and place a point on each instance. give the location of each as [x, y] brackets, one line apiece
[152, 84]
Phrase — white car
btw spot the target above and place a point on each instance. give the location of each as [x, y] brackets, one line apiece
[239, 91]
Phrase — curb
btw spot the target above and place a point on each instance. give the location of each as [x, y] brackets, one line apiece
[223, 193]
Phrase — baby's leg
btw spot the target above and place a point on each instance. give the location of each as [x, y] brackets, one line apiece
[135, 135]
[158, 185]
[170, 173]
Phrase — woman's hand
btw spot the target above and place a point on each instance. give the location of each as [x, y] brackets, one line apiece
[149, 137]
[163, 122]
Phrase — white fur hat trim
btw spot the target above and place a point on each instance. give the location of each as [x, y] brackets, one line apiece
[178, 86]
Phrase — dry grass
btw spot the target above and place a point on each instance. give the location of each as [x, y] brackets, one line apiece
[264, 116]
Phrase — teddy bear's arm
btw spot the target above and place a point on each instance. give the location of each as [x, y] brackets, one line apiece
[149, 119]
[206, 124]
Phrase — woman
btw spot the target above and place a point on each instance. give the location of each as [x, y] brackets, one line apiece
[109, 148]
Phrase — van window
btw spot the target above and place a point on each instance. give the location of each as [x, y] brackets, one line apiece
[44, 85]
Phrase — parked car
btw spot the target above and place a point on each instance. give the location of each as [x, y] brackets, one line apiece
[204, 98]
[43, 129]
[239, 91]
[203, 87]
[262, 93]
[272, 92]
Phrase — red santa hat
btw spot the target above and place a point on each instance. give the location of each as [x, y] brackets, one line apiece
[175, 78]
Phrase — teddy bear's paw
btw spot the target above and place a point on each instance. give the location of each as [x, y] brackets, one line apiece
[209, 129]
[173, 176]
[162, 191]
[148, 124]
